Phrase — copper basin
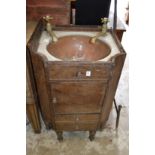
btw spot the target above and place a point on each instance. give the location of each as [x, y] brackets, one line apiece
[78, 48]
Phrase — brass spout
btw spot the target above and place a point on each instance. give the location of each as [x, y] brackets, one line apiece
[103, 31]
[49, 28]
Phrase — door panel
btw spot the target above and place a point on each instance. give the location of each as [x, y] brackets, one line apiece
[83, 97]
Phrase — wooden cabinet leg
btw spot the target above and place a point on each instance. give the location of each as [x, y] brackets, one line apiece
[60, 135]
[33, 117]
[92, 135]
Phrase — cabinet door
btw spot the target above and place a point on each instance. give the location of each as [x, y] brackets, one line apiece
[78, 97]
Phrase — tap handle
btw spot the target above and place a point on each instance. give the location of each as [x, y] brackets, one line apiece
[47, 18]
[104, 20]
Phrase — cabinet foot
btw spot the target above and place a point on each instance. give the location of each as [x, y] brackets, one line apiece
[60, 135]
[92, 135]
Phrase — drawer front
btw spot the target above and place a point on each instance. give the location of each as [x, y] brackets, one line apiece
[75, 126]
[84, 72]
[76, 118]
[77, 122]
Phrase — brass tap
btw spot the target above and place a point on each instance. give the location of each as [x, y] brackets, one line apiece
[103, 31]
[49, 28]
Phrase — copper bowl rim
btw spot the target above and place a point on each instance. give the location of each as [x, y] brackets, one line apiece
[75, 35]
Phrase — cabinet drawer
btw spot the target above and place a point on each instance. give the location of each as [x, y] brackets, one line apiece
[77, 118]
[84, 72]
[76, 126]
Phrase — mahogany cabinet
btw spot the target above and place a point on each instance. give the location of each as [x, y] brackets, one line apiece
[70, 100]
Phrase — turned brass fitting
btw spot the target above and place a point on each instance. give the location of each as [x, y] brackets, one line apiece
[103, 31]
[49, 28]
